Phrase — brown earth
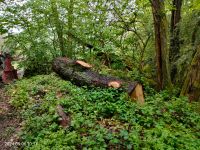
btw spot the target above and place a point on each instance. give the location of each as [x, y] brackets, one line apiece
[9, 123]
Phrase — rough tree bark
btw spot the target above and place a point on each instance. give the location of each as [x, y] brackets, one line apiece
[175, 39]
[80, 73]
[162, 52]
[191, 86]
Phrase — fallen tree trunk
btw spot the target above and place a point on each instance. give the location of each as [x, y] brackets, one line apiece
[80, 73]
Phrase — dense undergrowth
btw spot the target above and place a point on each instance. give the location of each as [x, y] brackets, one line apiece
[102, 118]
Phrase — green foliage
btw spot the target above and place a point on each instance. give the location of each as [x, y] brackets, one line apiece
[109, 26]
[121, 29]
[102, 118]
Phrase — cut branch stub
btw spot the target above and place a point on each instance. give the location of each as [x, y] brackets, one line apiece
[114, 84]
[84, 64]
[82, 74]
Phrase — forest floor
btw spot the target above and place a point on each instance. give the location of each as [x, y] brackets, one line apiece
[100, 118]
[9, 123]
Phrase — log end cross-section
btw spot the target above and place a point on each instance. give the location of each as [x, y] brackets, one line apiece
[137, 94]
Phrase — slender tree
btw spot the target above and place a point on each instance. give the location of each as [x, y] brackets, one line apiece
[162, 52]
[70, 26]
[195, 31]
[58, 27]
[175, 39]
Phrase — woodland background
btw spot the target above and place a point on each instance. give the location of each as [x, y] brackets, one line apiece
[155, 42]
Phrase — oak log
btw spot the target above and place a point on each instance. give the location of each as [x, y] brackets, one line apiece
[80, 73]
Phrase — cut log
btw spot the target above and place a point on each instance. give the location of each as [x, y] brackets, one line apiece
[81, 74]
[65, 120]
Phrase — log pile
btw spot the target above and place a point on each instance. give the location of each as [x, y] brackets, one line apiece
[80, 73]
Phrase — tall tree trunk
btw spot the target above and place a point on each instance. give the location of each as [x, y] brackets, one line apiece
[162, 52]
[191, 86]
[175, 39]
[58, 27]
[70, 24]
